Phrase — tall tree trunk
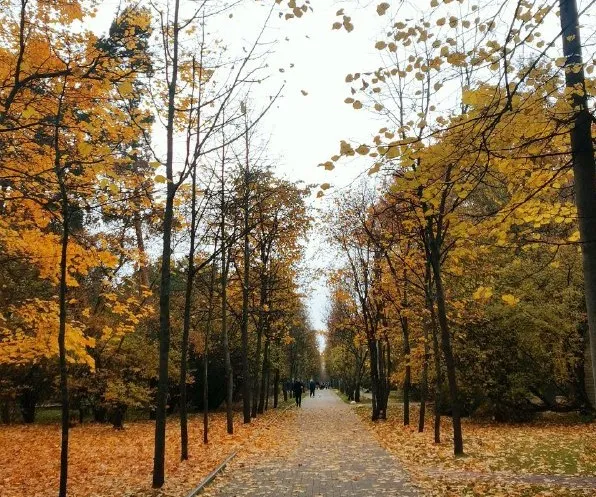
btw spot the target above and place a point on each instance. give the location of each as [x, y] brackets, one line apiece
[438, 379]
[268, 382]
[458, 443]
[383, 393]
[374, 377]
[65, 418]
[408, 372]
[424, 381]
[582, 150]
[206, 352]
[246, 383]
[276, 388]
[165, 286]
[257, 384]
[5, 412]
[62, 293]
[263, 377]
[407, 351]
[224, 313]
[429, 298]
[190, 273]
[260, 327]
[357, 381]
[387, 372]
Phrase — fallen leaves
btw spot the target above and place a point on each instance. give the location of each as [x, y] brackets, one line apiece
[548, 457]
[108, 462]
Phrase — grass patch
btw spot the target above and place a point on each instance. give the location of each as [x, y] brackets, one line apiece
[553, 445]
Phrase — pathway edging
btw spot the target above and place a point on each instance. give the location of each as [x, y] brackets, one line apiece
[211, 476]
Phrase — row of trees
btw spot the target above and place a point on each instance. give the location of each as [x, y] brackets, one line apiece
[116, 148]
[463, 279]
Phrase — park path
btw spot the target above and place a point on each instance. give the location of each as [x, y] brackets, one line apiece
[335, 456]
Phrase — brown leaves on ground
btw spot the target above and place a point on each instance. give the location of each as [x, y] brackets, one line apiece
[534, 459]
[106, 462]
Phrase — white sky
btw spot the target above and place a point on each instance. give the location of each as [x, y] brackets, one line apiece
[303, 130]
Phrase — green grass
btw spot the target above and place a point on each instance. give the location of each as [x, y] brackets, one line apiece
[552, 458]
[344, 397]
[47, 415]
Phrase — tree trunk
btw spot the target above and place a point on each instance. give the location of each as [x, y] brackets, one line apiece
[27, 404]
[165, 284]
[382, 390]
[268, 386]
[388, 372]
[357, 382]
[62, 295]
[436, 351]
[276, 388]
[407, 352]
[224, 333]
[206, 353]
[458, 443]
[260, 327]
[374, 377]
[246, 389]
[257, 383]
[263, 377]
[438, 383]
[186, 321]
[65, 418]
[5, 412]
[582, 151]
[424, 381]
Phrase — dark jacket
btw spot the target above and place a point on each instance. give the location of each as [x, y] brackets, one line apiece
[297, 388]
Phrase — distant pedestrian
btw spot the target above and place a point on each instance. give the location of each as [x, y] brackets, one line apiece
[312, 386]
[298, 387]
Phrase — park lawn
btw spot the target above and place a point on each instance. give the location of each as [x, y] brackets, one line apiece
[105, 462]
[553, 446]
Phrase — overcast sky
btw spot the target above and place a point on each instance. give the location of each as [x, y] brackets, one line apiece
[304, 130]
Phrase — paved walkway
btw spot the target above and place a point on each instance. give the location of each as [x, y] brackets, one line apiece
[335, 457]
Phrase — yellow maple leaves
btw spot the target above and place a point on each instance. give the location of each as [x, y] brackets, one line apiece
[483, 294]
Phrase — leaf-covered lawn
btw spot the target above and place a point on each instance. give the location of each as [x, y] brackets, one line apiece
[106, 462]
[547, 447]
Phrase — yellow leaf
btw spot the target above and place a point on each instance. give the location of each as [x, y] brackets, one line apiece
[482, 293]
[374, 169]
[574, 237]
[363, 150]
[509, 299]
[382, 8]
[126, 88]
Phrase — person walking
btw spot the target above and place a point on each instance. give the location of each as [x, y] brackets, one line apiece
[298, 387]
[312, 386]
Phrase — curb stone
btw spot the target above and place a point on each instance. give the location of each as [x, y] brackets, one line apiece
[211, 476]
